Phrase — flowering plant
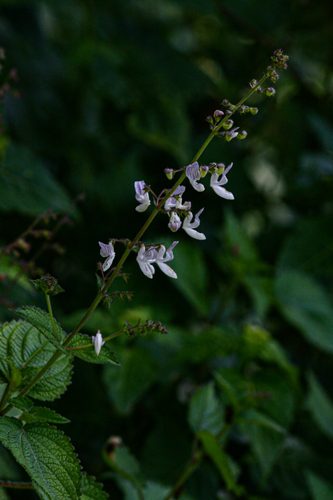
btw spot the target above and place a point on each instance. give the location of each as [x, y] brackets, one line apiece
[37, 355]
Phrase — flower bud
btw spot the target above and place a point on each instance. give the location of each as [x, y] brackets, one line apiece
[241, 135]
[218, 113]
[228, 124]
[253, 83]
[225, 102]
[254, 111]
[169, 172]
[270, 91]
[210, 120]
[203, 171]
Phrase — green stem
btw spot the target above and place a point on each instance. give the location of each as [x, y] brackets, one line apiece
[49, 307]
[20, 486]
[122, 260]
[5, 395]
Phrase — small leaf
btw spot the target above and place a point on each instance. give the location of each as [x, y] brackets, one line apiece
[42, 321]
[91, 489]
[220, 459]
[41, 414]
[46, 454]
[320, 406]
[205, 412]
[24, 403]
[88, 354]
[47, 285]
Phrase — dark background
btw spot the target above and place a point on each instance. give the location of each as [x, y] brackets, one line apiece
[107, 93]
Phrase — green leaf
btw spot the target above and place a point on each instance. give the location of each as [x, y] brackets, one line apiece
[91, 489]
[253, 416]
[46, 454]
[37, 413]
[320, 406]
[320, 489]
[127, 384]
[205, 411]
[305, 305]
[220, 459]
[89, 354]
[192, 276]
[28, 187]
[23, 346]
[42, 321]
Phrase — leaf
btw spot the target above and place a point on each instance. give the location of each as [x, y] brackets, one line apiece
[125, 386]
[193, 285]
[37, 413]
[205, 411]
[305, 305]
[253, 416]
[28, 187]
[46, 454]
[23, 346]
[91, 489]
[320, 406]
[42, 321]
[319, 488]
[219, 458]
[89, 354]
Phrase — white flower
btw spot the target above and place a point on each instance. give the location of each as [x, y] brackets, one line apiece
[190, 227]
[160, 260]
[98, 341]
[175, 222]
[141, 196]
[145, 260]
[175, 199]
[193, 175]
[107, 251]
[217, 184]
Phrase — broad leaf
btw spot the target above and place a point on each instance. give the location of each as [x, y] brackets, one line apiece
[46, 454]
[88, 354]
[42, 321]
[205, 412]
[306, 306]
[320, 488]
[320, 406]
[220, 459]
[23, 346]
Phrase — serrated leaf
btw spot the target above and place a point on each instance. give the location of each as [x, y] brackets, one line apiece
[42, 414]
[91, 489]
[24, 403]
[89, 354]
[205, 411]
[22, 345]
[46, 454]
[42, 321]
[220, 459]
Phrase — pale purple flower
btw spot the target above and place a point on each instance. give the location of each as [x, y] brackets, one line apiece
[231, 134]
[193, 175]
[108, 252]
[171, 202]
[141, 196]
[161, 260]
[175, 222]
[145, 260]
[190, 227]
[98, 341]
[217, 184]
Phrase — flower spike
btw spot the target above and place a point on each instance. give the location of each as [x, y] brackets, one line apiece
[190, 227]
[141, 196]
[217, 184]
[108, 252]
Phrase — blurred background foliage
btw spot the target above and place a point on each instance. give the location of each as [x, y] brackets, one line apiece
[96, 95]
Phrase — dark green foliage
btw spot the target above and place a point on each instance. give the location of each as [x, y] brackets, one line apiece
[241, 387]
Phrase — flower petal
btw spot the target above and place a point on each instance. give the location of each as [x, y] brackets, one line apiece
[193, 175]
